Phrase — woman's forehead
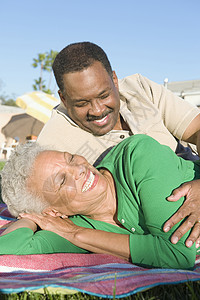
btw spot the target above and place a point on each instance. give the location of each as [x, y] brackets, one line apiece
[50, 156]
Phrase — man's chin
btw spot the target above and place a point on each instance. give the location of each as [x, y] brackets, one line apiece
[100, 131]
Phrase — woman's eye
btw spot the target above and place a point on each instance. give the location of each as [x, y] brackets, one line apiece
[72, 157]
[63, 181]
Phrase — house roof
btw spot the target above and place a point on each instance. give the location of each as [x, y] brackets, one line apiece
[180, 87]
[10, 109]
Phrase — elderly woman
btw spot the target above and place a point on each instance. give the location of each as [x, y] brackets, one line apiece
[118, 208]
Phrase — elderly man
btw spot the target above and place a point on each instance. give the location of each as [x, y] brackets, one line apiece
[98, 111]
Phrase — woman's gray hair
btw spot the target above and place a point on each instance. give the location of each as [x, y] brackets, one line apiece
[14, 180]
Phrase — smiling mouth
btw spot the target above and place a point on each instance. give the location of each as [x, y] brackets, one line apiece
[102, 121]
[90, 182]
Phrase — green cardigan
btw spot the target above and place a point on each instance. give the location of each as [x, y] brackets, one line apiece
[145, 173]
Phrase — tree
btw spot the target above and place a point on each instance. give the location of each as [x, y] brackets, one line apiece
[5, 99]
[44, 61]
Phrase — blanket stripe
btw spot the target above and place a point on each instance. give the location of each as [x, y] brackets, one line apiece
[94, 274]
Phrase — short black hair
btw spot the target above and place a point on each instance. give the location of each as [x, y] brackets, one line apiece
[76, 57]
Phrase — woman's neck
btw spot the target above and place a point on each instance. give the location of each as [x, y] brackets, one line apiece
[107, 209]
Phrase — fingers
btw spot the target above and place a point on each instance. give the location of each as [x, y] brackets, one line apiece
[29, 216]
[38, 219]
[190, 209]
[177, 217]
[179, 192]
[194, 236]
[198, 242]
[184, 228]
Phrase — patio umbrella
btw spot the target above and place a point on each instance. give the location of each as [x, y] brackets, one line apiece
[21, 126]
[38, 105]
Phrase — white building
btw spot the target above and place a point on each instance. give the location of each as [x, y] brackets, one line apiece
[188, 90]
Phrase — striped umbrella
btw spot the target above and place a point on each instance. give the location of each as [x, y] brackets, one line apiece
[38, 105]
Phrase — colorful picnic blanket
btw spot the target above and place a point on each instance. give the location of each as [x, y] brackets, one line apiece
[95, 274]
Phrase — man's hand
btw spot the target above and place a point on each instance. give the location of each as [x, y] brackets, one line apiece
[189, 209]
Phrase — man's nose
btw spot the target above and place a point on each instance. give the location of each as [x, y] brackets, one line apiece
[96, 108]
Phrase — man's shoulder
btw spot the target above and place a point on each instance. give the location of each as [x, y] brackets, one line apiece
[133, 77]
[132, 82]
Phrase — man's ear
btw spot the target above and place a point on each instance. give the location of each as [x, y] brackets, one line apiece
[61, 97]
[51, 211]
[115, 80]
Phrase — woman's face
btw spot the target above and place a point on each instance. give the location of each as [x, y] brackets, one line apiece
[67, 182]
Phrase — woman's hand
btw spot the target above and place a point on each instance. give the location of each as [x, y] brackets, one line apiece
[58, 224]
[189, 209]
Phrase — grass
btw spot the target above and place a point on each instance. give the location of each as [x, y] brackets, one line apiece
[2, 163]
[186, 291]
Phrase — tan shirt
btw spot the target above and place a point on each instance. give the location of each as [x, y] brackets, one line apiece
[147, 107]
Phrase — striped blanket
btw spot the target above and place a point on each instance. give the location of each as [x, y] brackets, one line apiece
[95, 274]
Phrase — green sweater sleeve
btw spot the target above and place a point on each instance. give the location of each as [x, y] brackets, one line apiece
[24, 241]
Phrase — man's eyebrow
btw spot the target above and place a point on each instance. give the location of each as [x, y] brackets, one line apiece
[104, 91]
[80, 100]
[99, 95]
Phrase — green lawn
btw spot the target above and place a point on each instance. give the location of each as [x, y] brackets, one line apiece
[187, 291]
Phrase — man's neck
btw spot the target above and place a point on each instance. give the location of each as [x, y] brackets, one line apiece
[121, 124]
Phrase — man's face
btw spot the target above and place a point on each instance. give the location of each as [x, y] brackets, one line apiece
[92, 100]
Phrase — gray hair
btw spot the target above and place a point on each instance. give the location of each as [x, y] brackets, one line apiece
[14, 180]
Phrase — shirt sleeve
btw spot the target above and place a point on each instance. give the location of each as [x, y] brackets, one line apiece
[156, 172]
[177, 114]
[24, 241]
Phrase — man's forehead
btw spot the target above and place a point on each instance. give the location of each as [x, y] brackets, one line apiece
[94, 72]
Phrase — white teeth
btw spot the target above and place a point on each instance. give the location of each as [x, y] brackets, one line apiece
[88, 183]
[99, 121]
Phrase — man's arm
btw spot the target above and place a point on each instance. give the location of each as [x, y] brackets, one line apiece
[192, 133]
[191, 190]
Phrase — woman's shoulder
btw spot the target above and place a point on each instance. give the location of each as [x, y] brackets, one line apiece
[137, 143]
[140, 145]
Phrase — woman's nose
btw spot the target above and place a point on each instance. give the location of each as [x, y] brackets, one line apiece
[75, 170]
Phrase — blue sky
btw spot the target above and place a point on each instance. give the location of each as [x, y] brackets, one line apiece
[156, 38]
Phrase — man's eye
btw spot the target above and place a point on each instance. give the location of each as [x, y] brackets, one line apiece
[81, 104]
[71, 158]
[104, 96]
